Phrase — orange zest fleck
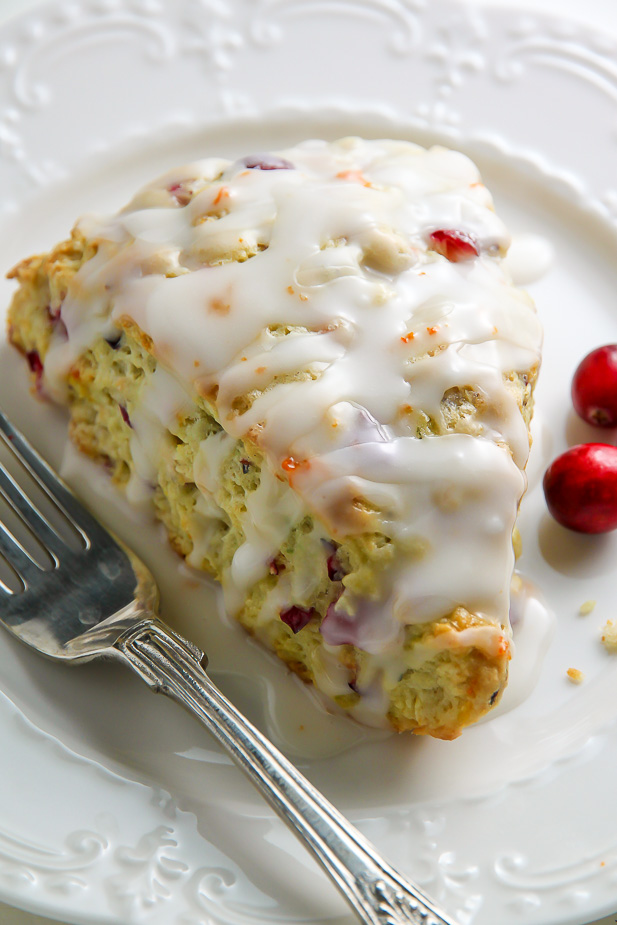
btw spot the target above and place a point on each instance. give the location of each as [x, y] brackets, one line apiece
[303, 297]
[433, 329]
[290, 290]
[502, 646]
[495, 330]
[223, 193]
[260, 369]
[196, 363]
[243, 359]
[408, 337]
[219, 306]
[354, 175]
[289, 464]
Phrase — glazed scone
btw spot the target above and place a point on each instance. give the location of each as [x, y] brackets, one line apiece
[315, 367]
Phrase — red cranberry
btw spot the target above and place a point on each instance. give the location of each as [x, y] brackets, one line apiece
[35, 363]
[457, 246]
[125, 415]
[336, 572]
[36, 366]
[594, 387]
[339, 628]
[266, 162]
[296, 618]
[180, 192]
[580, 487]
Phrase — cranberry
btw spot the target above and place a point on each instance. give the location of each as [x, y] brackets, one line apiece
[34, 362]
[296, 618]
[36, 366]
[580, 487]
[457, 246]
[336, 572]
[266, 162]
[594, 387]
[180, 192]
[339, 628]
[125, 415]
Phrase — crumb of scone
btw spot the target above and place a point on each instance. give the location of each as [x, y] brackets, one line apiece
[609, 636]
[586, 608]
[575, 676]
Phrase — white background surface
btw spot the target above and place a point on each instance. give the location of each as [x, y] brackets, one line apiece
[601, 14]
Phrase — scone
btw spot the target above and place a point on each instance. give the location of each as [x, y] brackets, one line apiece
[315, 368]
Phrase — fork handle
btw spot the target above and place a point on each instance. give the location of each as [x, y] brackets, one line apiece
[376, 892]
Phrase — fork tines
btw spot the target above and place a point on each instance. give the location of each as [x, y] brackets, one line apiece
[15, 552]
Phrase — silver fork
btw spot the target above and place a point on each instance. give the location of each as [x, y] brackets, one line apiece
[100, 600]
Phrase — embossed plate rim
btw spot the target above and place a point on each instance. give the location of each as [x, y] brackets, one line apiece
[455, 60]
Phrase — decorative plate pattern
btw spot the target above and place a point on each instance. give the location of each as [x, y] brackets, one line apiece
[113, 807]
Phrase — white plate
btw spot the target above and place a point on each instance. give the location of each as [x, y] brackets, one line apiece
[114, 806]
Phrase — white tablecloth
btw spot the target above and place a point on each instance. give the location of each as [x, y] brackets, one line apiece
[599, 13]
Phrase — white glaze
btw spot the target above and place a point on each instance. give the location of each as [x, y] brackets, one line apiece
[383, 326]
[533, 625]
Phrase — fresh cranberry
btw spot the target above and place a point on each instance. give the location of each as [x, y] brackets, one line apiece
[580, 487]
[296, 618]
[266, 162]
[594, 387]
[456, 246]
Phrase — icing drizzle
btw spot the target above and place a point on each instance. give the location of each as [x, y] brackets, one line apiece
[334, 304]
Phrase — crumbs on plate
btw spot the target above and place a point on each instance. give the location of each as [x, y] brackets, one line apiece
[609, 636]
[576, 676]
